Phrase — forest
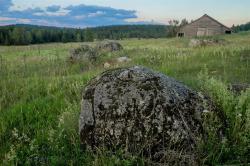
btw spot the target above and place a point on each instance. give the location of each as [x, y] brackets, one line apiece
[242, 27]
[31, 34]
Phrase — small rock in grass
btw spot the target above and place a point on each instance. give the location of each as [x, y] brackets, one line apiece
[123, 59]
[200, 42]
[238, 88]
[106, 65]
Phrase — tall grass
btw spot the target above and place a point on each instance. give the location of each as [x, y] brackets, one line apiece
[40, 93]
[234, 147]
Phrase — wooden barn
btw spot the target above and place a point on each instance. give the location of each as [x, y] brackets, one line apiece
[204, 26]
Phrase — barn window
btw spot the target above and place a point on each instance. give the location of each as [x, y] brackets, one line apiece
[228, 32]
[180, 34]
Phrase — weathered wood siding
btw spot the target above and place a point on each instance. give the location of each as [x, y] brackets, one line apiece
[204, 26]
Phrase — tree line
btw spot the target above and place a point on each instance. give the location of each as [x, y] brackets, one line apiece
[31, 34]
[130, 31]
[242, 27]
[28, 34]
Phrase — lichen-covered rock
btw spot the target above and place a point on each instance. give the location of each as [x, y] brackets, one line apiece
[143, 112]
[194, 43]
[238, 88]
[106, 65]
[202, 42]
[109, 46]
[84, 52]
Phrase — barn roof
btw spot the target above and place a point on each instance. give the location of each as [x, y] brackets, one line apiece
[205, 15]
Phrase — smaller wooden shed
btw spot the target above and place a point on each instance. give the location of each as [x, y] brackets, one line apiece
[204, 26]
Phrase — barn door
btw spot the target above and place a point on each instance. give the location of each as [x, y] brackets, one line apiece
[201, 31]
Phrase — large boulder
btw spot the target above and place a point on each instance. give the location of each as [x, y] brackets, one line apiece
[109, 46]
[92, 53]
[143, 112]
[84, 52]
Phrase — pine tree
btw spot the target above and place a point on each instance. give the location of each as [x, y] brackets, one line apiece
[89, 36]
[78, 37]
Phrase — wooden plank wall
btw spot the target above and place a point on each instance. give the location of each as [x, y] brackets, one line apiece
[204, 25]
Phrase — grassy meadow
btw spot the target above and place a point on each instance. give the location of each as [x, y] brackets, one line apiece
[40, 93]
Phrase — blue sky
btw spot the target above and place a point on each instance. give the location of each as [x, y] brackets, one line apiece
[88, 13]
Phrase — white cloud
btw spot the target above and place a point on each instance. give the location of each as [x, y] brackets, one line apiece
[7, 19]
[71, 16]
[80, 17]
[24, 21]
[98, 13]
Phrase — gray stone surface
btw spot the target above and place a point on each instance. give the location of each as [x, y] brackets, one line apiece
[238, 88]
[84, 52]
[202, 42]
[92, 53]
[109, 46]
[143, 112]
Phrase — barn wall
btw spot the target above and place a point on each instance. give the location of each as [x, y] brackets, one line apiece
[203, 27]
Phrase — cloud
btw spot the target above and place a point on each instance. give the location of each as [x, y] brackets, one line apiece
[7, 20]
[53, 8]
[70, 16]
[5, 5]
[106, 11]
[96, 14]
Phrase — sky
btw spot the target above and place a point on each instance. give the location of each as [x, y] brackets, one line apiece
[91, 13]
